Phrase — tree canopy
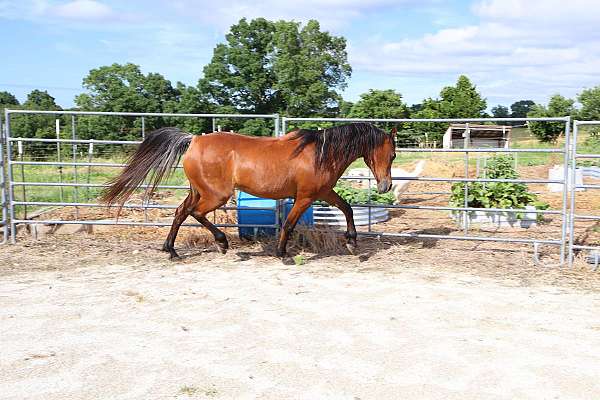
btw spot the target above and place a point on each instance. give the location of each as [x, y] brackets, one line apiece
[558, 106]
[459, 101]
[8, 99]
[379, 104]
[520, 109]
[500, 111]
[269, 67]
[590, 103]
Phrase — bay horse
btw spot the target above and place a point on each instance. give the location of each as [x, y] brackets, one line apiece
[303, 164]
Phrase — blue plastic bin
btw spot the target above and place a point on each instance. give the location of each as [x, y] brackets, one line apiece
[264, 217]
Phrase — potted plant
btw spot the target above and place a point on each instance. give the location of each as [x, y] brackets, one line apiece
[497, 195]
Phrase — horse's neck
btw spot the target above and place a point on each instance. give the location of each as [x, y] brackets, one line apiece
[341, 168]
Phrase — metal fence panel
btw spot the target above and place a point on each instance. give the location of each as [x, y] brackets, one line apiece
[78, 183]
[573, 186]
[10, 166]
[564, 151]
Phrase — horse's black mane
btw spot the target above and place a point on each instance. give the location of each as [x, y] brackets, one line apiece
[341, 144]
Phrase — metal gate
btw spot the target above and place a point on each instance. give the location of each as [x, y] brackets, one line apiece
[573, 216]
[562, 212]
[18, 160]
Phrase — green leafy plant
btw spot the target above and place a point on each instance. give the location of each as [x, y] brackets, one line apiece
[497, 194]
[361, 196]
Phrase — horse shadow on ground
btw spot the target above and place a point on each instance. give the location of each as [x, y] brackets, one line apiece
[319, 248]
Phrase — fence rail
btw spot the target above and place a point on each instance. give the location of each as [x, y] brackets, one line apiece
[10, 167]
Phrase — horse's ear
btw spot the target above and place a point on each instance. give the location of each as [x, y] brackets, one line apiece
[394, 131]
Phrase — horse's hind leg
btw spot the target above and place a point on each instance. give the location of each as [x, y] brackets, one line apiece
[207, 204]
[335, 200]
[182, 212]
[300, 205]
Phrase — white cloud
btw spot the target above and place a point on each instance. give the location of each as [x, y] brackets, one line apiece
[516, 49]
[83, 10]
[79, 13]
[333, 14]
[555, 11]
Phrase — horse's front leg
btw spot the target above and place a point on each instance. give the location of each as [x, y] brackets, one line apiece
[300, 205]
[335, 200]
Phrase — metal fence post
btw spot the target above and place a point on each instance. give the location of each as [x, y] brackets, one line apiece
[20, 153]
[89, 171]
[572, 187]
[75, 177]
[466, 143]
[11, 194]
[565, 198]
[59, 159]
[3, 204]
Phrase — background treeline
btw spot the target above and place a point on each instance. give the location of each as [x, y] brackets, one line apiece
[266, 67]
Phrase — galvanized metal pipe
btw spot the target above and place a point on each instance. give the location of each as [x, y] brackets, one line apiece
[478, 238]
[140, 114]
[128, 223]
[139, 206]
[565, 199]
[557, 119]
[11, 194]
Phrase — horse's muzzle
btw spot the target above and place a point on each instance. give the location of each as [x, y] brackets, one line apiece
[384, 186]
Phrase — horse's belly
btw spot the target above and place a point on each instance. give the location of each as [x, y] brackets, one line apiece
[262, 190]
[265, 182]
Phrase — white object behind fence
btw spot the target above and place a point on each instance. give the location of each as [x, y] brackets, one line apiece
[557, 173]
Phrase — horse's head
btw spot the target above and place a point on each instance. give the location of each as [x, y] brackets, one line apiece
[380, 162]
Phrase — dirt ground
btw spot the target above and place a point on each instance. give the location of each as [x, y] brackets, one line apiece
[106, 315]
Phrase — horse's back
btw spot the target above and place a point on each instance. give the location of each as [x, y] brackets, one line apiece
[263, 166]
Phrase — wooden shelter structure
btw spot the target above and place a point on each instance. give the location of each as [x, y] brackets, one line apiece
[496, 136]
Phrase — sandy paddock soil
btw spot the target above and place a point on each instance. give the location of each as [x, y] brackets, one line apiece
[108, 316]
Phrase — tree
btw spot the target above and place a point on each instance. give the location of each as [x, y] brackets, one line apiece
[520, 109]
[8, 99]
[500, 111]
[461, 100]
[379, 104]
[268, 67]
[36, 125]
[123, 88]
[189, 101]
[558, 106]
[590, 103]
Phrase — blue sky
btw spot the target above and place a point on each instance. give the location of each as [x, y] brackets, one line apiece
[512, 49]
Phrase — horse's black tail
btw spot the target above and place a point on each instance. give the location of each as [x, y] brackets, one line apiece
[156, 155]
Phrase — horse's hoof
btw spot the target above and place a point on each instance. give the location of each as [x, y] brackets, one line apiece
[352, 248]
[173, 256]
[280, 253]
[287, 261]
[223, 247]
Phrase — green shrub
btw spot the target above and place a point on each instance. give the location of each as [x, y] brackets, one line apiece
[496, 194]
[361, 196]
